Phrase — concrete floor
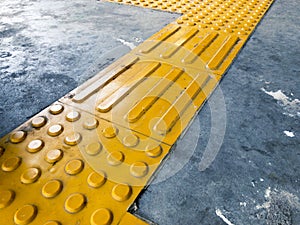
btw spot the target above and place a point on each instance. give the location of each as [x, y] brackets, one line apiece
[255, 178]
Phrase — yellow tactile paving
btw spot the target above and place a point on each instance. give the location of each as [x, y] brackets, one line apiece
[85, 159]
[232, 16]
[158, 101]
[85, 173]
[212, 30]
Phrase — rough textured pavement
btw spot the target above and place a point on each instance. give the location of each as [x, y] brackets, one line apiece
[49, 48]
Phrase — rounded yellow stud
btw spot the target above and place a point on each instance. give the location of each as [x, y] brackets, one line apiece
[55, 130]
[11, 164]
[202, 5]
[38, 122]
[72, 139]
[190, 14]
[219, 23]
[200, 16]
[54, 155]
[74, 167]
[191, 23]
[220, 11]
[202, 25]
[175, 8]
[207, 21]
[228, 30]
[153, 151]
[18, 136]
[215, 27]
[139, 169]
[115, 158]
[96, 180]
[212, 7]
[121, 192]
[90, 123]
[131, 140]
[196, 19]
[101, 217]
[185, 17]
[231, 26]
[183, 10]
[110, 132]
[30, 175]
[73, 116]
[75, 202]
[179, 21]
[242, 32]
[93, 148]
[52, 222]
[52, 188]
[56, 109]
[25, 215]
[35, 146]
[6, 198]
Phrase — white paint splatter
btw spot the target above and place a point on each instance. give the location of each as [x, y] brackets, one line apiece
[243, 204]
[268, 192]
[126, 43]
[292, 106]
[219, 214]
[270, 195]
[138, 40]
[267, 204]
[289, 133]
[278, 95]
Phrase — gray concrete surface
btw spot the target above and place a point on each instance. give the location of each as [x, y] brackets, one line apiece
[255, 178]
[50, 47]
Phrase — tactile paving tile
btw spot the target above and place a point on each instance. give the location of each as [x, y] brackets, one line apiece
[213, 30]
[155, 98]
[231, 16]
[65, 166]
[191, 47]
[85, 159]
[158, 87]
